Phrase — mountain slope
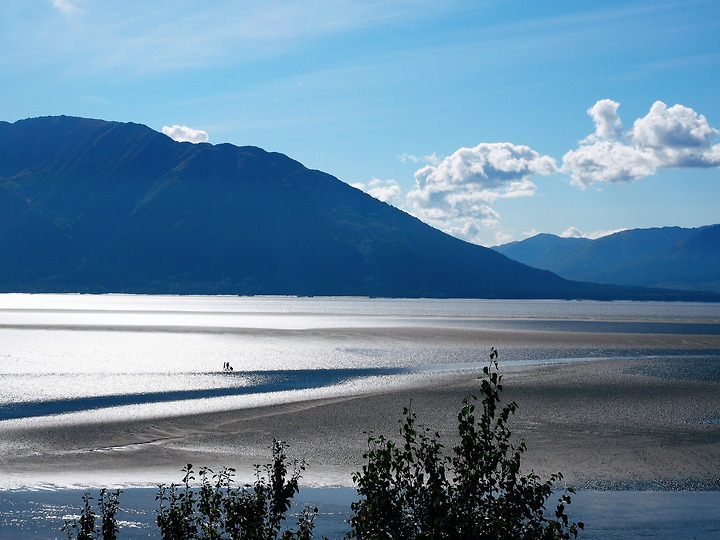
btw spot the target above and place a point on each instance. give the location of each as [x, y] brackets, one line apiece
[96, 206]
[671, 257]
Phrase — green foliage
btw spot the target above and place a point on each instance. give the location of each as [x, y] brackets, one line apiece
[84, 528]
[108, 509]
[218, 510]
[411, 490]
[176, 517]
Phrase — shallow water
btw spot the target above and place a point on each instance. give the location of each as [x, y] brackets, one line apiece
[80, 358]
[82, 351]
[607, 515]
[75, 358]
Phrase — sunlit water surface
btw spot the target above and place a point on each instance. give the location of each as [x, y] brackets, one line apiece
[94, 355]
[78, 358]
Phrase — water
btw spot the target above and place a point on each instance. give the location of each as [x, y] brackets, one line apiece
[82, 358]
[74, 358]
[74, 354]
[607, 515]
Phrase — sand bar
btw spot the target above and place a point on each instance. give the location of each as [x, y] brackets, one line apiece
[643, 422]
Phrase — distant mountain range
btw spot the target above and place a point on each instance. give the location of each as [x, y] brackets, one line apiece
[669, 257]
[95, 206]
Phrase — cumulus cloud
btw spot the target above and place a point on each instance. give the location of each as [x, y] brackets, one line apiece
[477, 232]
[469, 231]
[664, 138]
[185, 134]
[457, 193]
[385, 190]
[677, 137]
[466, 183]
[607, 122]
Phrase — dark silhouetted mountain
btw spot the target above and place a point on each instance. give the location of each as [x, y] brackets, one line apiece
[670, 257]
[96, 206]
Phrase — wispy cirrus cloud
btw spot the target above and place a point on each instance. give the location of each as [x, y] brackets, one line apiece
[151, 37]
[67, 7]
[432, 158]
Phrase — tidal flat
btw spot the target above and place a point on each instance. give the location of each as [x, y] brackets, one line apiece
[621, 398]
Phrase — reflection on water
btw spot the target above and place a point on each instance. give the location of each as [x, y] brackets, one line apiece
[357, 306]
[70, 353]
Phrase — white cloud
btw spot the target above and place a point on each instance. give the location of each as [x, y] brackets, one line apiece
[665, 138]
[476, 233]
[503, 237]
[68, 7]
[677, 137]
[384, 190]
[185, 134]
[433, 159]
[469, 231]
[574, 232]
[466, 183]
[607, 121]
[457, 193]
[607, 161]
[408, 157]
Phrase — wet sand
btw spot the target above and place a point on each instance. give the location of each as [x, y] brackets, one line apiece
[640, 423]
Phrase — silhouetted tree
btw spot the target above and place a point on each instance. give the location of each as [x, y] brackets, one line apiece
[411, 490]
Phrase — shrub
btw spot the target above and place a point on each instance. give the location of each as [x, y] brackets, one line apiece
[219, 510]
[411, 490]
[84, 527]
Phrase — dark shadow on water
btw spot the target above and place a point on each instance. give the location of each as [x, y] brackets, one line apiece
[255, 382]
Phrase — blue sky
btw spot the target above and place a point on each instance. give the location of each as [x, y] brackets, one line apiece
[492, 120]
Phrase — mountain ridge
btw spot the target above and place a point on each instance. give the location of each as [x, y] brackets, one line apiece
[99, 206]
[671, 257]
